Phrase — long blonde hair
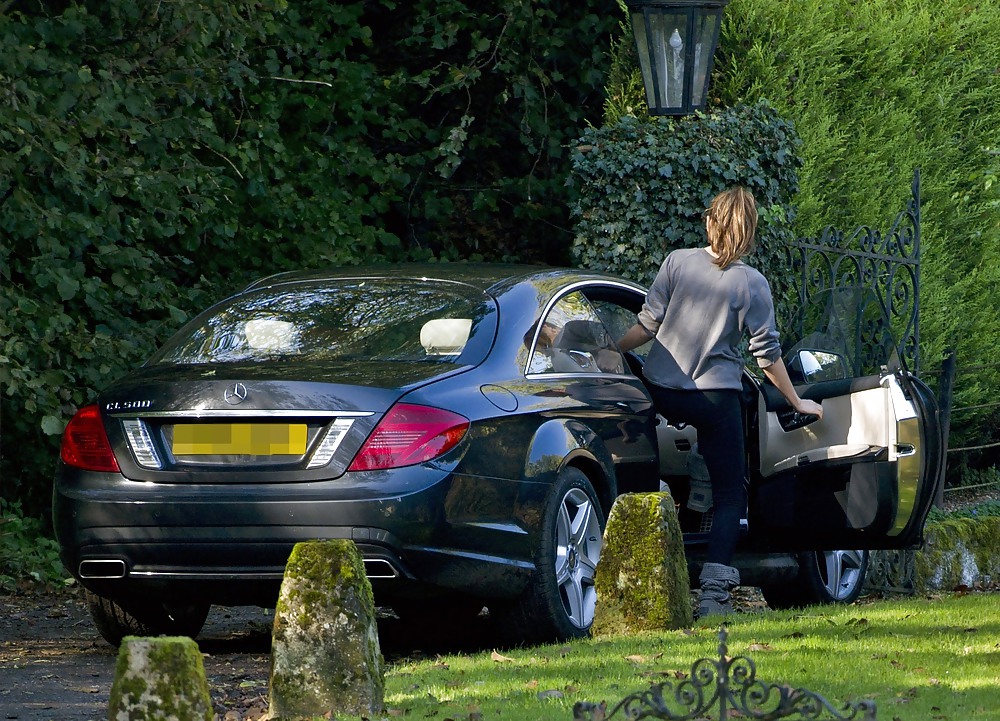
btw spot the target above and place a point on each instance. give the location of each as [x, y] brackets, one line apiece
[733, 227]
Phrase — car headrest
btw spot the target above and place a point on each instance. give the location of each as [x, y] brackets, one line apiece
[445, 336]
[271, 334]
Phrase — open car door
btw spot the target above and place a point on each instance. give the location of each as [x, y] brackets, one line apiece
[866, 474]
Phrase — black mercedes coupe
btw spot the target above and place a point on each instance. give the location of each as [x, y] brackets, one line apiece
[469, 428]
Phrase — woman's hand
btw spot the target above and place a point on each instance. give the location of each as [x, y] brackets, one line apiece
[778, 375]
[808, 408]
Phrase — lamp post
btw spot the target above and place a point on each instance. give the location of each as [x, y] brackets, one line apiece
[676, 40]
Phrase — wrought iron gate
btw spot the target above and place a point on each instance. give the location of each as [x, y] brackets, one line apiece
[886, 265]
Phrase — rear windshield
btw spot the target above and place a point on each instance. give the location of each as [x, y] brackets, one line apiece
[355, 319]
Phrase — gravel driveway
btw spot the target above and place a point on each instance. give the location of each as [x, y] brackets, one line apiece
[54, 665]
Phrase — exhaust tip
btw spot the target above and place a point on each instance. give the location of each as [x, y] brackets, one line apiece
[380, 568]
[102, 568]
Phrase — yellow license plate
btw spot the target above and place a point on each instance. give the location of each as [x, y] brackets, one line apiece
[227, 439]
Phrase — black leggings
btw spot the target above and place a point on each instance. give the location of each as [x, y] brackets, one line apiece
[718, 418]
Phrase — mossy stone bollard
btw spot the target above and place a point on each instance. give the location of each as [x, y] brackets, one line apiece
[325, 656]
[159, 679]
[642, 578]
[958, 552]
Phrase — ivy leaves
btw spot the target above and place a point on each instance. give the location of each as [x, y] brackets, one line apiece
[642, 186]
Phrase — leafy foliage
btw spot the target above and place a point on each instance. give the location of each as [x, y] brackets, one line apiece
[154, 157]
[27, 556]
[877, 89]
[643, 185]
[109, 165]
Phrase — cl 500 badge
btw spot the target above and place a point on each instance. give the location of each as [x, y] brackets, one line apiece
[127, 405]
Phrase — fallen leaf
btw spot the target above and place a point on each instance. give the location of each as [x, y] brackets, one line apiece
[500, 658]
[636, 658]
[533, 683]
[760, 647]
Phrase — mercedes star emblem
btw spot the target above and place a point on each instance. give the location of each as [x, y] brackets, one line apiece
[235, 394]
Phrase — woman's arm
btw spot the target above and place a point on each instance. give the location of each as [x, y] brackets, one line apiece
[777, 373]
[634, 337]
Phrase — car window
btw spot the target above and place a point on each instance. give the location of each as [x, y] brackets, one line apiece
[350, 319]
[618, 320]
[573, 339]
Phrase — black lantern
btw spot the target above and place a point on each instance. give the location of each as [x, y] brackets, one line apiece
[676, 40]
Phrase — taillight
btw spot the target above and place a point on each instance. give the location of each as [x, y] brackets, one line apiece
[85, 444]
[410, 434]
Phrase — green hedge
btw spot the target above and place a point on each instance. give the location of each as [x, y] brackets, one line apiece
[156, 156]
[877, 89]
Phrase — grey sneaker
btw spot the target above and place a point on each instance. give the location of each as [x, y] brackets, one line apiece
[716, 582]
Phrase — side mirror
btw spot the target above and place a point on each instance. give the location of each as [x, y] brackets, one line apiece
[816, 366]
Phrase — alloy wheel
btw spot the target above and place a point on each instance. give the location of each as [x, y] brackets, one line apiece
[841, 572]
[578, 549]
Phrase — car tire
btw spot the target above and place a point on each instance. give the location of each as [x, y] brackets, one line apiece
[560, 599]
[824, 577]
[115, 621]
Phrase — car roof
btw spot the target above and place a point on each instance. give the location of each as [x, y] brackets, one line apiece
[492, 278]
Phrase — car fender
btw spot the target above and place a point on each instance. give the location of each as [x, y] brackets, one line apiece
[561, 442]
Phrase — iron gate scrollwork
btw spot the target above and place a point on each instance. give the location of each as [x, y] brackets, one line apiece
[728, 684]
[885, 266]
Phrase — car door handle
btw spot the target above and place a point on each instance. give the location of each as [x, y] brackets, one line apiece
[790, 420]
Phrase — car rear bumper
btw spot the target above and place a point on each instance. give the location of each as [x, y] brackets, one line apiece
[228, 545]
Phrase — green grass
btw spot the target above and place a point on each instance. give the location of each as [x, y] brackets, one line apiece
[920, 659]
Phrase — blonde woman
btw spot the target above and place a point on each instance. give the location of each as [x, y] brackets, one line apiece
[700, 306]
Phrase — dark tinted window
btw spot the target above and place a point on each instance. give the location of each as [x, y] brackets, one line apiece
[411, 320]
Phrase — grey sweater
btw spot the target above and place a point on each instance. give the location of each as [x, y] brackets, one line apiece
[698, 314]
